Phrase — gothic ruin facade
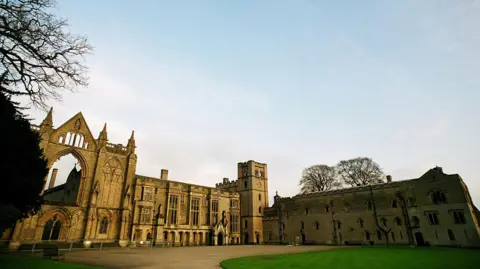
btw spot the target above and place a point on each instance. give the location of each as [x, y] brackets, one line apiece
[106, 201]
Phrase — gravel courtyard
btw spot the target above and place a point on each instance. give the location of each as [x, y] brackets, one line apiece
[177, 258]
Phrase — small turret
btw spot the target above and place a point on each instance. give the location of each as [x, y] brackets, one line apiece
[102, 138]
[131, 143]
[47, 123]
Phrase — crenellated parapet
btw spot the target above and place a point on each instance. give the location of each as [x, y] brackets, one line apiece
[226, 184]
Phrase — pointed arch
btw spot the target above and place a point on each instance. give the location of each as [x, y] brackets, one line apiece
[59, 212]
[76, 153]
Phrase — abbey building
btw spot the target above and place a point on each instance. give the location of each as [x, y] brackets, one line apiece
[106, 201]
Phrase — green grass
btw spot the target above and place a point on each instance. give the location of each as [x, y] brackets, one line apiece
[12, 261]
[365, 258]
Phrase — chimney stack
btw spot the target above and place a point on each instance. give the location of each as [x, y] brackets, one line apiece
[164, 174]
[52, 178]
[389, 178]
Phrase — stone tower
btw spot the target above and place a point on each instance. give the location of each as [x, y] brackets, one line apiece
[253, 189]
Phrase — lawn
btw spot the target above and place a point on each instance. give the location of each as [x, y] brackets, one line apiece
[12, 261]
[365, 258]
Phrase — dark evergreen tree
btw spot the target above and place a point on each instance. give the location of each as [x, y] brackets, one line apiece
[23, 167]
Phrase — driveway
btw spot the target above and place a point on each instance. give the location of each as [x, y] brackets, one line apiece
[177, 258]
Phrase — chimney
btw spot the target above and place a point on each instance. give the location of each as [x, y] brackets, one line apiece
[52, 178]
[225, 180]
[164, 174]
[389, 178]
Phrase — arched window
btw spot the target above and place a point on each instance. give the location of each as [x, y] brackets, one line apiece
[394, 204]
[451, 236]
[415, 221]
[302, 225]
[369, 205]
[306, 211]
[379, 235]
[51, 230]
[360, 221]
[367, 235]
[103, 226]
[384, 222]
[259, 197]
[327, 208]
[339, 225]
[259, 210]
[398, 221]
[149, 236]
[317, 225]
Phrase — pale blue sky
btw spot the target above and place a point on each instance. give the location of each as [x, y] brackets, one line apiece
[206, 84]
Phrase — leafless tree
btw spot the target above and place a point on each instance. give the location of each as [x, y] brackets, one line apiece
[39, 57]
[360, 171]
[319, 178]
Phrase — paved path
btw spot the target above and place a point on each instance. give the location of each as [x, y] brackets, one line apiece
[177, 258]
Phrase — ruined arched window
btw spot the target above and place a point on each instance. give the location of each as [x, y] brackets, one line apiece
[360, 221]
[383, 221]
[367, 235]
[415, 221]
[379, 235]
[51, 230]
[451, 236]
[103, 226]
[369, 205]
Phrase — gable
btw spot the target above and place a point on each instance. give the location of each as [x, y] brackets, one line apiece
[75, 132]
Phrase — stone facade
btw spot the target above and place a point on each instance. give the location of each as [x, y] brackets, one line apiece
[106, 201]
[435, 209]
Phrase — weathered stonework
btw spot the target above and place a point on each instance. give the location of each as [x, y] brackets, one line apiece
[435, 209]
[107, 202]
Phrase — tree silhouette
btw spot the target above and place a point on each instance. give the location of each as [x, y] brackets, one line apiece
[319, 177]
[360, 171]
[38, 56]
[23, 168]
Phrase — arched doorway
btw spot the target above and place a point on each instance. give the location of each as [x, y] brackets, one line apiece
[419, 239]
[257, 235]
[245, 240]
[47, 230]
[51, 231]
[56, 230]
[220, 239]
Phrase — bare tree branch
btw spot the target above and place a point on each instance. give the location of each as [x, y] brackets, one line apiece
[360, 171]
[319, 178]
[38, 55]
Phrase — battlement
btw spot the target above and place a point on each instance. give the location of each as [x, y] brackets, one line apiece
[226, 184]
